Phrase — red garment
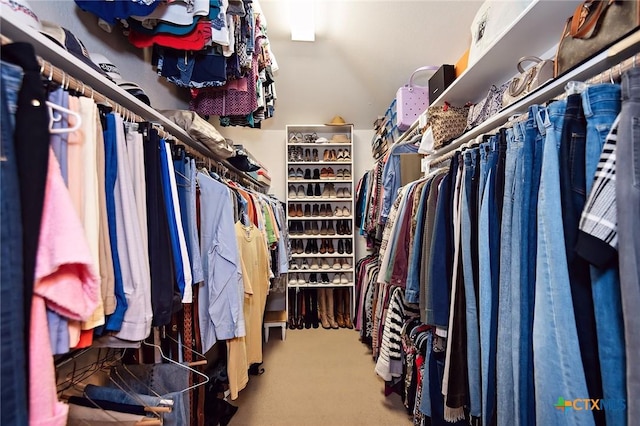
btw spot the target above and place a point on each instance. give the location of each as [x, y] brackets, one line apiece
[195, 40]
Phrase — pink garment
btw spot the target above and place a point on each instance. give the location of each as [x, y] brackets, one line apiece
[65, 282]
[226, 100]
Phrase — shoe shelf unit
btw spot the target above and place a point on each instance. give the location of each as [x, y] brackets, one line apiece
[320, 203]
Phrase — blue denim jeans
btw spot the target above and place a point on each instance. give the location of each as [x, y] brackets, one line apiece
[601, 105]
[488, 259]
[505, 368]
[558, 364]
[166, 380]
[535, 133]
[572, 157]
[628, 199]
[473, 338]
[12, 326]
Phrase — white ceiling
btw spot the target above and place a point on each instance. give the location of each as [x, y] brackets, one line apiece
[364, 50]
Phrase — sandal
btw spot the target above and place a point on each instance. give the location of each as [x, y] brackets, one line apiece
[295, 137]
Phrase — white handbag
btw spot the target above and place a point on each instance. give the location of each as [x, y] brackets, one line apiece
[528, 80]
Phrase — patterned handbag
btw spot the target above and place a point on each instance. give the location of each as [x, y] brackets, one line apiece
[447, 123]
[487, 107]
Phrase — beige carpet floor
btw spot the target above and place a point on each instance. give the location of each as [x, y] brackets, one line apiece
[317, 377]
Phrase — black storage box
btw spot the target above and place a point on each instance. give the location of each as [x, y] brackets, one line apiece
[440, 81]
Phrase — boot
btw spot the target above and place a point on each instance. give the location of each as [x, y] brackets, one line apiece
[347, 308]
[293, 309]
[322, 308]
[339, 298]
[301, 310]
[330, 318]
[307, 308]
[314, 308]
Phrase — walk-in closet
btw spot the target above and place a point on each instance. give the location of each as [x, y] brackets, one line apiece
[320, 212]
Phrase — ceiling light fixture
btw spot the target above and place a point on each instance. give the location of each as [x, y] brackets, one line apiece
[302, 20]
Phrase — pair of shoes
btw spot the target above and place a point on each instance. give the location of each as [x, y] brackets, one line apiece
[293, 211]
[327, 173]
[342, 212]
[345, 247]
[310, 155]
[343, 155]
[325, 210]
[295, 137]
[340, 279]
[330, 155]
[329, 191]
[297, 246]
[343, 227]
[326, 246]
[295, 174]
[343, 193]
[343, 174]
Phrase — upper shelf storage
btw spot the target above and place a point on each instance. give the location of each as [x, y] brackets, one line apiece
[534, 32]
[60, 58]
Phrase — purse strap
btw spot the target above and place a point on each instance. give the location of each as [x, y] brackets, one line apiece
[425, 68]
[586, 17]
[527, 59]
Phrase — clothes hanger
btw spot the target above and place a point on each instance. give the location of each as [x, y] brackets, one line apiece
[203, 361]
[206, 378]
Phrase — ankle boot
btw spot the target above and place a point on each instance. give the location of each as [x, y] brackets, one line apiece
[323, 247]
[329, 246]
[330, 302]
[307, 174]
[316, 174]
[307, 248]
[316, 211]
[339, 298]
[330, 230]
[307, 210]
[340, 247]
[314, 246]
[316, 190]
[323, 228]
[322, 308]
[348, 248]
[346, 299]
[314, 228]
[299, 210]
[309, 190]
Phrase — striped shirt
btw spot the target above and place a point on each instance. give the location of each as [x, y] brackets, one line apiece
[598, 238]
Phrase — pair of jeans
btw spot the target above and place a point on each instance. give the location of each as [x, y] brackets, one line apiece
[572, 163]
[12, 325]
[166, 380]
[468, 210]
[601, 105]
[488, 254]
[558, 364]
[505, 368]
[535, 133]
[628, 199]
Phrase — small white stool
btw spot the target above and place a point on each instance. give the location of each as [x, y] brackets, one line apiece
[275, 319]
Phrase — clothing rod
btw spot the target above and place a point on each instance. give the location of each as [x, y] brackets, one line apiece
[612, 73]
[67, 82]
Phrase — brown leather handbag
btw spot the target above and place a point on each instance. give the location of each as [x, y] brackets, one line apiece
[595, 26]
